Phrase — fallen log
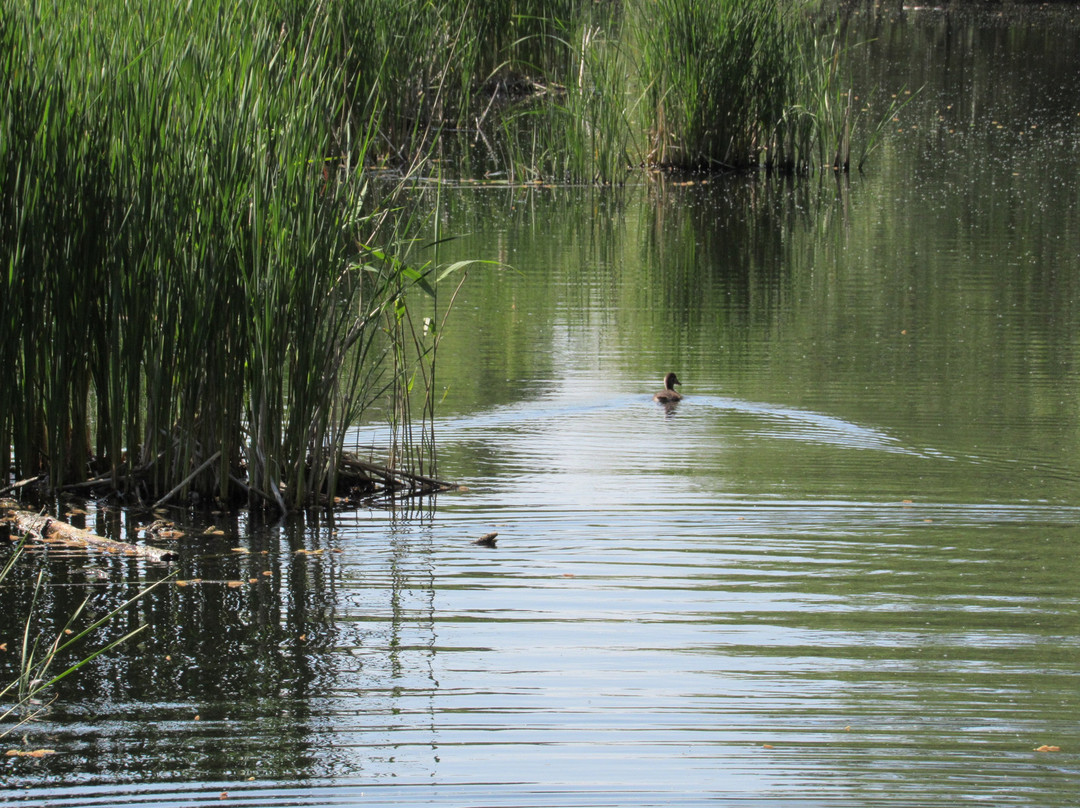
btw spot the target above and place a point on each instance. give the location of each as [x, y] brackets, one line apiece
[53, 531]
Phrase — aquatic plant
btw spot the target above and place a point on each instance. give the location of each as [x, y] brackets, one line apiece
[440, 71]
[584, 92]
[40, 654]
[742, 84]
[197, 267]
[584, 129]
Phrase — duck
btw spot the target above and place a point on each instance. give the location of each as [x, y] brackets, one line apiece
[668, 395]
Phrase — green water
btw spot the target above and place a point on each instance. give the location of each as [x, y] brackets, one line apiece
[841, 572]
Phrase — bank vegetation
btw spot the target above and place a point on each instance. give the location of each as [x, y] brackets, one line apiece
[209, 227]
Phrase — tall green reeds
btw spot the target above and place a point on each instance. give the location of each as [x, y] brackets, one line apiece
[579, 124]
[442, 64]
[742, 84]
[563, 90]
[192, 300]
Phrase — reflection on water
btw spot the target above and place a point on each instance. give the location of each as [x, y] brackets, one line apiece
[841, 572]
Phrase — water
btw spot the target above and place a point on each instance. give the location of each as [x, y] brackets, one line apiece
[841, 572]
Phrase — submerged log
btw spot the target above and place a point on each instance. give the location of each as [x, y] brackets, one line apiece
[53, 531]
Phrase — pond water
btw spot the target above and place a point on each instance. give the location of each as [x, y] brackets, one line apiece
[843, 571]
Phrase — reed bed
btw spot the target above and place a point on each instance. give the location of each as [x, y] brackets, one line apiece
[572, 91]
[745, 84]
[193, 303]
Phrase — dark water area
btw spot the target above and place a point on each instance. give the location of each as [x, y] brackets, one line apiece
[843, 571]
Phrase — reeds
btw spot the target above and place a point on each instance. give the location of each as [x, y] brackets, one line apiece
[191, 296]
[567, 91]
[40, 656]
[743, 84]
[578, 126]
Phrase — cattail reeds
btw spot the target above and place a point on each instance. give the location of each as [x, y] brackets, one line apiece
[743, 84]
[190, 293]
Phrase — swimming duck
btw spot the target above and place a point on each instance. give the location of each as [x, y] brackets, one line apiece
[668, 394]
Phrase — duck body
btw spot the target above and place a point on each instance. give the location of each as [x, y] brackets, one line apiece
[669, 395]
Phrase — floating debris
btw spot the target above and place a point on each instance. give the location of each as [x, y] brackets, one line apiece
[53, 531]
[487, 540]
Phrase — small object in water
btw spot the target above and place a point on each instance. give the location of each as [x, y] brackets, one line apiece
[487, 540]
[668, 395]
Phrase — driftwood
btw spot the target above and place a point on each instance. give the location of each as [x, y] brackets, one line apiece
[52, 531]
[487, 540]
[7, 489]
[396, 482]
[360, 480]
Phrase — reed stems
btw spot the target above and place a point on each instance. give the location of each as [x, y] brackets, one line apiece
[42, 653]
[569, 91]
[186, 219]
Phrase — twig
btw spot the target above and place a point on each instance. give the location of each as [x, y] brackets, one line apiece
[209, 461]
[395, 478]
[245, 487]
[21, 484]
